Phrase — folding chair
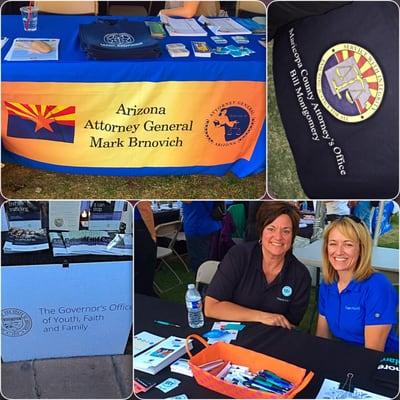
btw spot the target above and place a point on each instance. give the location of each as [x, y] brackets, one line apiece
[205, 274]
[250, 8]
[129, 8]
[169, 230]
[83, 7]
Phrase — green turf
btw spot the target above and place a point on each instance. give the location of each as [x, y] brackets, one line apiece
[20, 182]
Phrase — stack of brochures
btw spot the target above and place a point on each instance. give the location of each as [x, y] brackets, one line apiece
[224, 26]
[20, 240]
[253, 26]
[90, 242]
[181, 366]
[160, 356]
[201, 49]
[144, 340]
[156, 29]
[182, 27]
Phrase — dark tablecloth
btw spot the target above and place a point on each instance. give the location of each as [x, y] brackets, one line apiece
[46, 257]
[326, 358]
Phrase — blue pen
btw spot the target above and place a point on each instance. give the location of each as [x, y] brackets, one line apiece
[276, 382]
[276, 378]
[166, 323]
[264, 388]
[271, 384]
[272, 375]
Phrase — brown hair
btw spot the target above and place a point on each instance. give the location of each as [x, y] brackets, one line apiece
[359, 234]
[270, 210]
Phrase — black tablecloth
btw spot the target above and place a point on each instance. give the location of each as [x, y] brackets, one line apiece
[326, 358]
[46, 257]
[164, 215]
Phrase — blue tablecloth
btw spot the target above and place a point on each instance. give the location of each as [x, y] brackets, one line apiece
[74, 67]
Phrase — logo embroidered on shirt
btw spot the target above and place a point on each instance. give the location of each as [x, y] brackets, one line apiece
[352, 308]
[287, 291]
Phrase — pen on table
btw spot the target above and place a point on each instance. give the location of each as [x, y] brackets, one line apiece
[166, 323]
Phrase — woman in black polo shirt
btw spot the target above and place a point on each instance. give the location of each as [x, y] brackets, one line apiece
[262, 281]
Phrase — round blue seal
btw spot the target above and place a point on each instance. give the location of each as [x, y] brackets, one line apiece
[15, 322]
[229, 124]
[287, 291]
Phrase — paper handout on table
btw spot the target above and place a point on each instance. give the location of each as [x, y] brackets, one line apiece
[182, 27]
[224, 26]
[160, 356]
[64, 215]
[21, 240]
[231, 333]
[330, 390]
[29, 49]
[143, 340]
[181, 366]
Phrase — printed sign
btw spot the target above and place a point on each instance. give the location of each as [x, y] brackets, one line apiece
[50, 311]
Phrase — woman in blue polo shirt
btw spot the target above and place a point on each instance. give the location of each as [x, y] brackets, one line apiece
[356, 304]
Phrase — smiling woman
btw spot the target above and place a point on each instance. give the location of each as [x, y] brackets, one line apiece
[262, 281]
[356, 304]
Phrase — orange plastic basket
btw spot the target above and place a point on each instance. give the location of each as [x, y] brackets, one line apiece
[251, 359]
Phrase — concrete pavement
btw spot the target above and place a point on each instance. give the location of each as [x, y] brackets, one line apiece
[102, 377]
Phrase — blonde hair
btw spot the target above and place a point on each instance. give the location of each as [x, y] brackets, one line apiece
[359, 234]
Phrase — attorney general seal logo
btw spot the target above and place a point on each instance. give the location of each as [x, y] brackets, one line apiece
[15, 322]
[229, 123]
[350, 83]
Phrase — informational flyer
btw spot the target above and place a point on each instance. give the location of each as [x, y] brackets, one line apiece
[64, 215]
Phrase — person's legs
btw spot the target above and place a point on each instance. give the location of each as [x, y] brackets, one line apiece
[198, 248]
[145, 260]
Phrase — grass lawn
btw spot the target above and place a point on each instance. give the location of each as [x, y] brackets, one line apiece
[20, 182]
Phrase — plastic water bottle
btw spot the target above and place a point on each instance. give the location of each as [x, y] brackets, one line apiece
[194, 307]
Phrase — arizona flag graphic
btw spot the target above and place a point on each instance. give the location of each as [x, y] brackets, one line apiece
[43, 122]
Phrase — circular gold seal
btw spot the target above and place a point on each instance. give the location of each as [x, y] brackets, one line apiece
[350, 82]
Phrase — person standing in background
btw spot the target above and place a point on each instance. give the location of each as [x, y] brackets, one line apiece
[145, 248]
[200, 227]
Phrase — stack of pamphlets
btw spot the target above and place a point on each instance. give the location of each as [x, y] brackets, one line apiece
[160, 356]
[144, 340]
[181, 366]
[156, 29]
[182, 27]
[201, 49]
[91, 242]
[177, 50]
[30, 49]
[253, 26]
[57, 243]
[20, 240]
[224, 26]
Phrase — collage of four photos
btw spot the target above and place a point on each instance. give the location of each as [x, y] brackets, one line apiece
[199, 199]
